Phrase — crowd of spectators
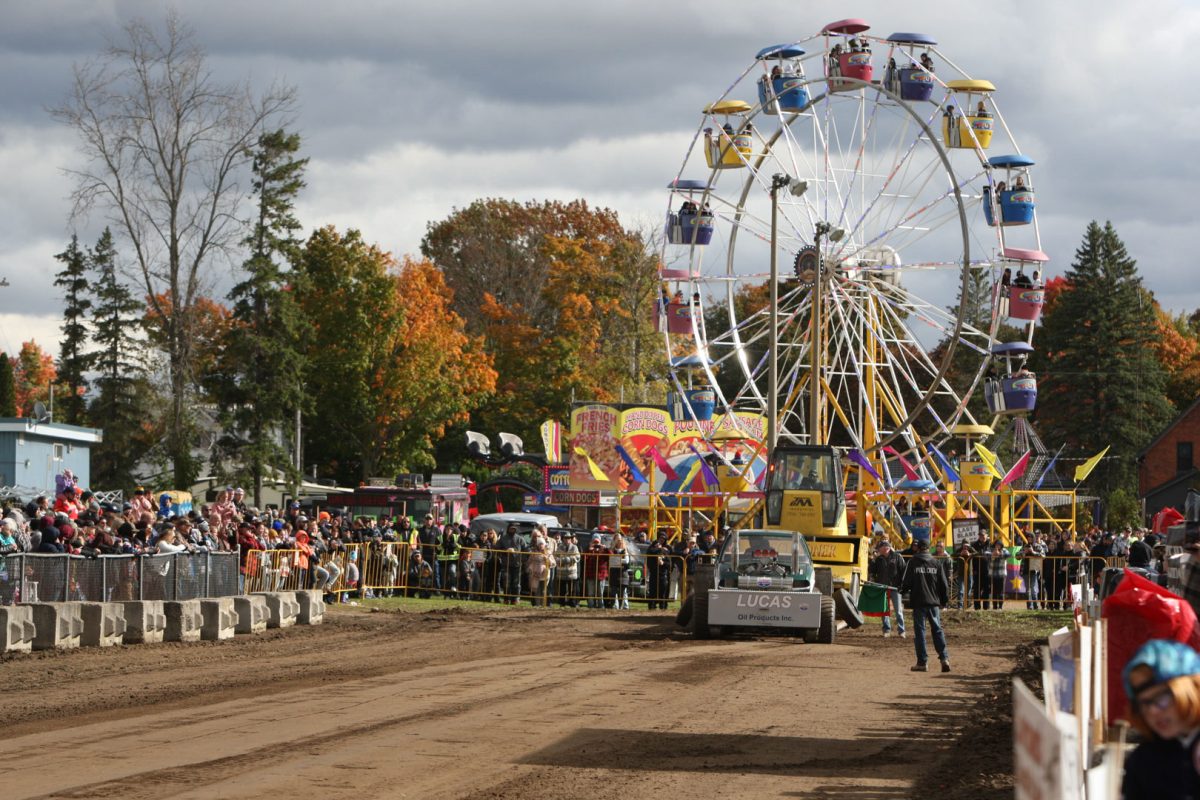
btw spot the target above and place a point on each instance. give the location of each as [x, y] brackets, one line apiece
[1048, 565]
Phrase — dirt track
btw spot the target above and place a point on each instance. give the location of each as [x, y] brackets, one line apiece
[511, 704]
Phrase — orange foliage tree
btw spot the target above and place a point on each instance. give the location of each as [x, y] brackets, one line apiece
[564, 297]
[33, 373]
[389, 364]
[1179, 352]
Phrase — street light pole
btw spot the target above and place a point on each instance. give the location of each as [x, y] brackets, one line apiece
[778, 182]
[815, 344]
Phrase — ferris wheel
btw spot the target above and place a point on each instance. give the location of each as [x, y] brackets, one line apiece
[878, 182]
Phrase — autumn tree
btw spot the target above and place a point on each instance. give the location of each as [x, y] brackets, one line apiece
[258, 384]
[73, 360]
[389, 365]
[565, 299]
[1178, 350]
[165, 144]
[8, 400]
[33, 375]
[502, 247]
[1099, 381]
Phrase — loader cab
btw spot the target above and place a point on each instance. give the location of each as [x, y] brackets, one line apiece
[804, 490]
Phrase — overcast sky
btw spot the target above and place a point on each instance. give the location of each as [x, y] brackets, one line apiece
[408, 110]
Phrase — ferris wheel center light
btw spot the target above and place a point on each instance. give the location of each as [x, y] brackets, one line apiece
[798, 188]
[836, 234]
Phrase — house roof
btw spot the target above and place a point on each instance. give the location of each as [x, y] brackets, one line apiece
[1182, 416]
[1183, 477]
[50, 430]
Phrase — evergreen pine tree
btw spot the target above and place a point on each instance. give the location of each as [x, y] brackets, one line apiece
[73, 362]
[1099, 381]
[123, 393]
[8, 397]
[260, 391]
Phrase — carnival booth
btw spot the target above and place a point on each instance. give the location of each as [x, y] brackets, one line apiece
[781, 89]
[907, 75]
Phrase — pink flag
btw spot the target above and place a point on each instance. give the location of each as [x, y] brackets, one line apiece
[662, 464]
[909, 472]
[1018, 469]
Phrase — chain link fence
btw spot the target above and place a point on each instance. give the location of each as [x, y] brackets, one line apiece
[49, 577]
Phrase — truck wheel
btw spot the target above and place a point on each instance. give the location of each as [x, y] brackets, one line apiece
[702, 582]
[847, 609]
[684, 617]
[828, 630]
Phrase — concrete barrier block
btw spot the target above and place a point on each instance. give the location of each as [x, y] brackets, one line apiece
[183, 620]
[103, 624]
[145, 621]
[312, 607]
[252, 612]
[17, 630]
[284, 608]
[58, 626]
[220, 619]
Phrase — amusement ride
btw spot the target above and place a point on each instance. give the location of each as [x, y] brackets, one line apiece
[835, 186]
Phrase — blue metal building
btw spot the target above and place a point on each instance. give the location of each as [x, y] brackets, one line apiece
[32, 452]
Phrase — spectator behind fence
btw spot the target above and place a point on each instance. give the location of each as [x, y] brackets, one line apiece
[568, 571]
[658, 572]
[595, 572]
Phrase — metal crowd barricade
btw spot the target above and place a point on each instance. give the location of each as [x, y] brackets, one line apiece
[53, 577]
[385, 565]
[991, 583]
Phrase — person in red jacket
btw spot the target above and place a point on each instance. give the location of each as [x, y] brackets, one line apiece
[247, 541]
[595, 572]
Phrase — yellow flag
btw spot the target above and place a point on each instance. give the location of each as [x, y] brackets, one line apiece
[691, 476]
[593, 467]
[989, 459]
[1085, 469]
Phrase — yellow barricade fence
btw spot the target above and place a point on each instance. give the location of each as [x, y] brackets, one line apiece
[509, 576]
[991, 583]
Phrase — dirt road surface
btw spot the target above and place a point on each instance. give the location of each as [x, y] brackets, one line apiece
[504, 704]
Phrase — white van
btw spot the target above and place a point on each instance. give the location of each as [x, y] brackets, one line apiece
[523, 521]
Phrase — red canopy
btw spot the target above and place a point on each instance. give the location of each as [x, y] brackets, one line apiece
[1166, 518]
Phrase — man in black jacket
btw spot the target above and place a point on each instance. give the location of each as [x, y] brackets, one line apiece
[888, 569]
[928, 593]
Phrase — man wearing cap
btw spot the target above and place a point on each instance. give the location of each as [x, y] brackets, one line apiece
[928, 592]
[887, 569]
[1190, 588]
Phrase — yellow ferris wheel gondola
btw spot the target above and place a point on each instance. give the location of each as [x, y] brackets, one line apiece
[730, 146]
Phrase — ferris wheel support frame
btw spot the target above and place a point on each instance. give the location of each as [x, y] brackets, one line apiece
[815, 385]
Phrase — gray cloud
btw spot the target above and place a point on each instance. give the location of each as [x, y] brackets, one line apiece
[409, 110]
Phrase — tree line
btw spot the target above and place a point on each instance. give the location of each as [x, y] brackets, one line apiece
[326, 351]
